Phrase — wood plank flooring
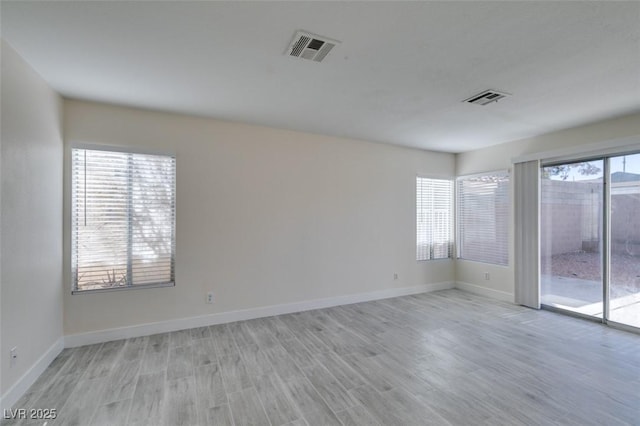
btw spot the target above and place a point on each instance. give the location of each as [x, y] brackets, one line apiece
[443, 358]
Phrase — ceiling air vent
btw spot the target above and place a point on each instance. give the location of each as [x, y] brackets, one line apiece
[310, 46]
[486, 97]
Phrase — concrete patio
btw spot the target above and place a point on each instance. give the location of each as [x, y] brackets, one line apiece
[585, 297]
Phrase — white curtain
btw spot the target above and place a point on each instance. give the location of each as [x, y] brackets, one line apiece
[526, 181]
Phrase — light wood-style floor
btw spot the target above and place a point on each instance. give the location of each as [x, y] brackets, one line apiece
[438, 358]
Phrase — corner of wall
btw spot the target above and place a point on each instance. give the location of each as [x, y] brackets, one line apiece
[31, 180]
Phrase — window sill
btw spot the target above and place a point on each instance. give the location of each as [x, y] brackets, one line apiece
[440, 259]
[133, 287]
[507, 266]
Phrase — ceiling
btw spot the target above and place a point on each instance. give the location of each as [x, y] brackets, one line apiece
[399, 75]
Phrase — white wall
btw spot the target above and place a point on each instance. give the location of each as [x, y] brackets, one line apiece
[31, 225]
[264, 216]
[470, 275]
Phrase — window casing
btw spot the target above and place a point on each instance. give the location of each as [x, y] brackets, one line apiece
[483, 218]
[123, 220]
[434, 218]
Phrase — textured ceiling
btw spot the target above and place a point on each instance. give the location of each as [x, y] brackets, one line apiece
[398, 76]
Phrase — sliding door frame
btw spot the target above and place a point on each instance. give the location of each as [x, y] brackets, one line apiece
[606, 232]
[606, 243]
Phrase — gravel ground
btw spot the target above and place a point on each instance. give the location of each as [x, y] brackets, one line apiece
[625, 269]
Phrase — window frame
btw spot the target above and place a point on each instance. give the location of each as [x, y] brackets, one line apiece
[451, 250]
[459, 242]
[70, 232]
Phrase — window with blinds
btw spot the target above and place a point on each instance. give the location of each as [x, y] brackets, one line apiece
[123, 220]
[434, 219]
[483, 218]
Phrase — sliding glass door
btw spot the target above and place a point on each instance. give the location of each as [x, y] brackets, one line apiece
[571, 225]
[590, 238]
[624, 276]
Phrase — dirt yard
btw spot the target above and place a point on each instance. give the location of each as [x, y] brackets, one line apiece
[625, 269]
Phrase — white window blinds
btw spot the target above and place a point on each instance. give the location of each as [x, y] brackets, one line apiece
[123, 219]
[483, 218]
[434, 220]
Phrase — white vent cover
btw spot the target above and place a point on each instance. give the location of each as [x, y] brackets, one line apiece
[486, 97]
[310, 46]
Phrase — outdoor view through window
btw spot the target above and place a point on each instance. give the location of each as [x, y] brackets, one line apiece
[573, 251]
[123, 226]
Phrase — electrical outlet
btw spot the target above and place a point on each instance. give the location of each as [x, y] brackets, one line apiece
[395, 276]
[13, 356]
[210, 297]
[487, 276]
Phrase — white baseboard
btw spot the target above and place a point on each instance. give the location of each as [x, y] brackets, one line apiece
[100, 336]
[484, 291]
[18, 389]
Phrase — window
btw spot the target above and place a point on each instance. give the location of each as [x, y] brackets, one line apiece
[123, 220]
[434, 219]
[483, 218]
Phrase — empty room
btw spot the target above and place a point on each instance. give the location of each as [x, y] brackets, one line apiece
[320, 213]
